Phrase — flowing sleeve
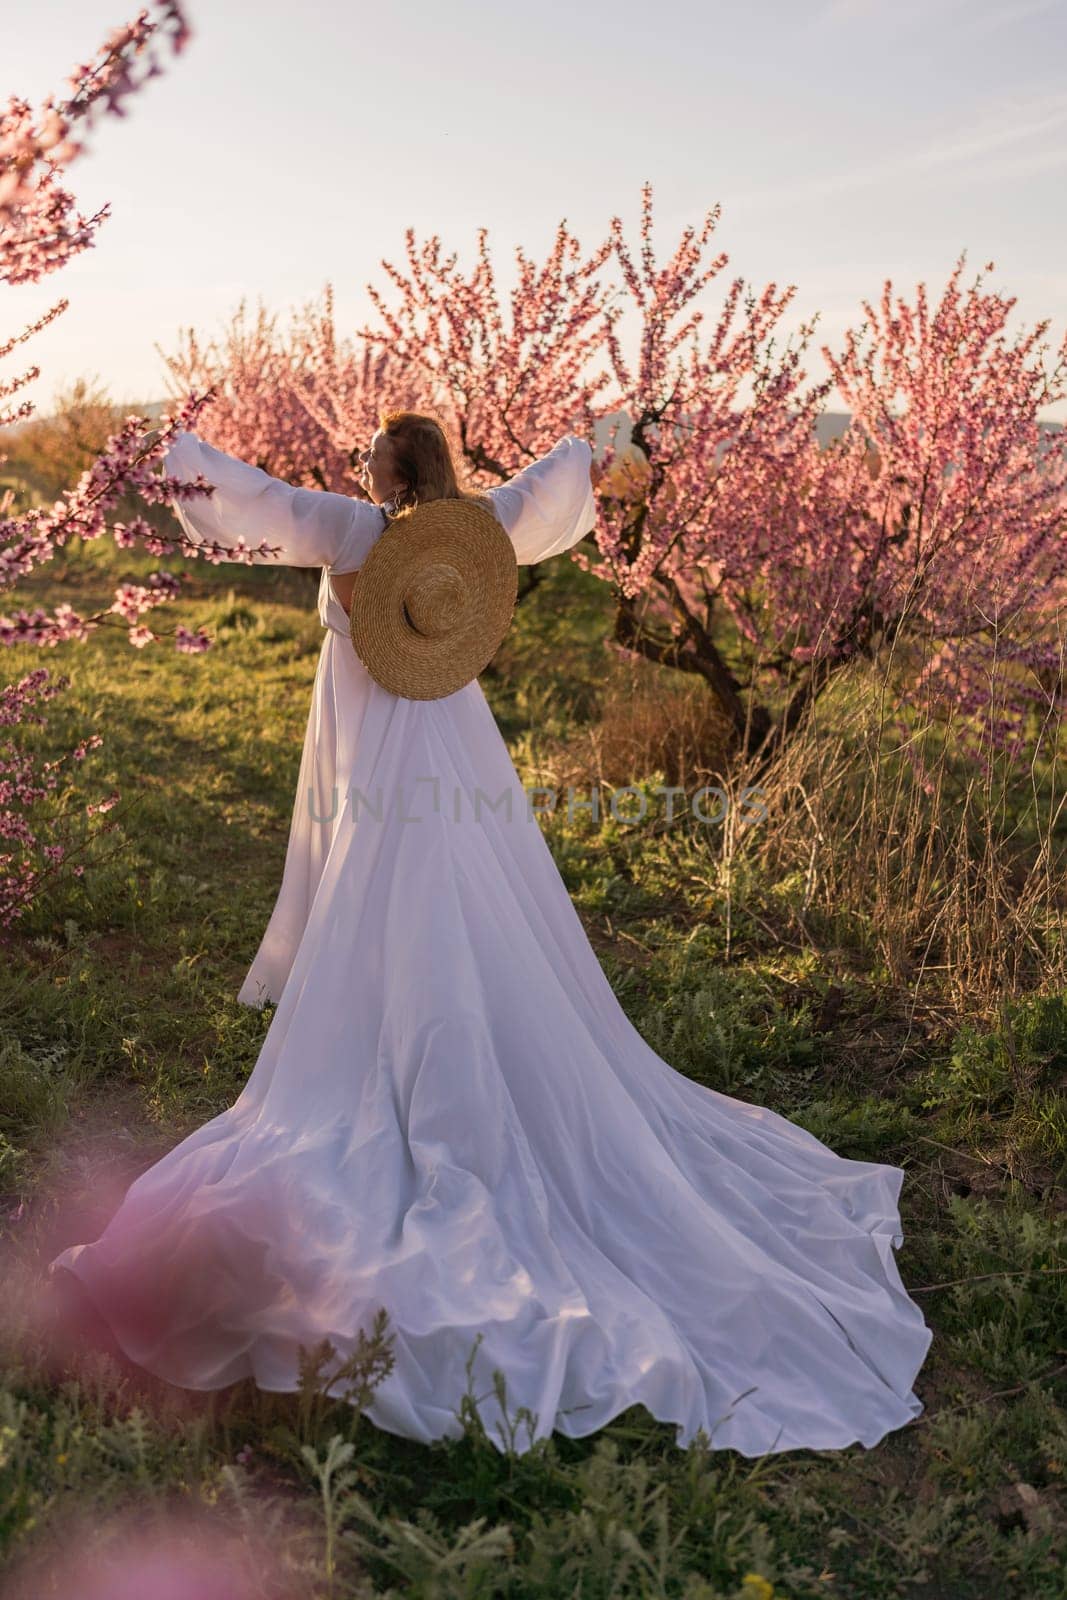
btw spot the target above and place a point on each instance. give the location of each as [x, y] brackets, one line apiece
[548, 506]
[310, 527]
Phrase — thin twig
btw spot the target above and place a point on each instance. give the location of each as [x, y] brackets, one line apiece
[985, 1161]
[780, 938]
[983, 1399]
[879, 1533]
[1022, 1272]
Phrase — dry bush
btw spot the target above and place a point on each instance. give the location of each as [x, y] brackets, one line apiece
[921, 859]
[47, 455]
[910, 860]
[648, 721]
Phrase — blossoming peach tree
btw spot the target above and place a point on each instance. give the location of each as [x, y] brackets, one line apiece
[935, 527]
[40, 231]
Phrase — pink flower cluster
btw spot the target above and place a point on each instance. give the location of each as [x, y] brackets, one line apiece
[38, 230]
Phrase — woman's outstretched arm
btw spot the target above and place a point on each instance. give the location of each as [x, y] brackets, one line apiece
[309, 527]
[549, 505]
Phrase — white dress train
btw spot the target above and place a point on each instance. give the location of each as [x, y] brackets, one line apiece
[451, 1115]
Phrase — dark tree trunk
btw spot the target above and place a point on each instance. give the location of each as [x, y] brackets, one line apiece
[694, 651]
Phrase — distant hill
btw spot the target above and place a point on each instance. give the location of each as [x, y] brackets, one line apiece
[830, 425]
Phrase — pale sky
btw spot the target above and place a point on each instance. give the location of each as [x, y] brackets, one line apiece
[846, 140]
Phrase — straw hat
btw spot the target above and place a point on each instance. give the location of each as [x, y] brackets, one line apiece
[434, 599]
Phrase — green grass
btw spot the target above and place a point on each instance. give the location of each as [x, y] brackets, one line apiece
[118, 1011]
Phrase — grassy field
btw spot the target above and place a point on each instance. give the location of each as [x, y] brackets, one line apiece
[882, 964]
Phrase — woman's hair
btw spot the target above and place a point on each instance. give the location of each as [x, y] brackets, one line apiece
[423, 459]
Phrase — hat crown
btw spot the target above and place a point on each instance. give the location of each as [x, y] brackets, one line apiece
[434, 597]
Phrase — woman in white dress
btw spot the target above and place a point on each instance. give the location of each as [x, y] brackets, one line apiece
[452, 1117]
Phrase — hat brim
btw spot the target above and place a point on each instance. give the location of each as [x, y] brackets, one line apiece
[450, 534]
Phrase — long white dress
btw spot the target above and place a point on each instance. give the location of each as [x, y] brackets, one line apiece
[451, 1116]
